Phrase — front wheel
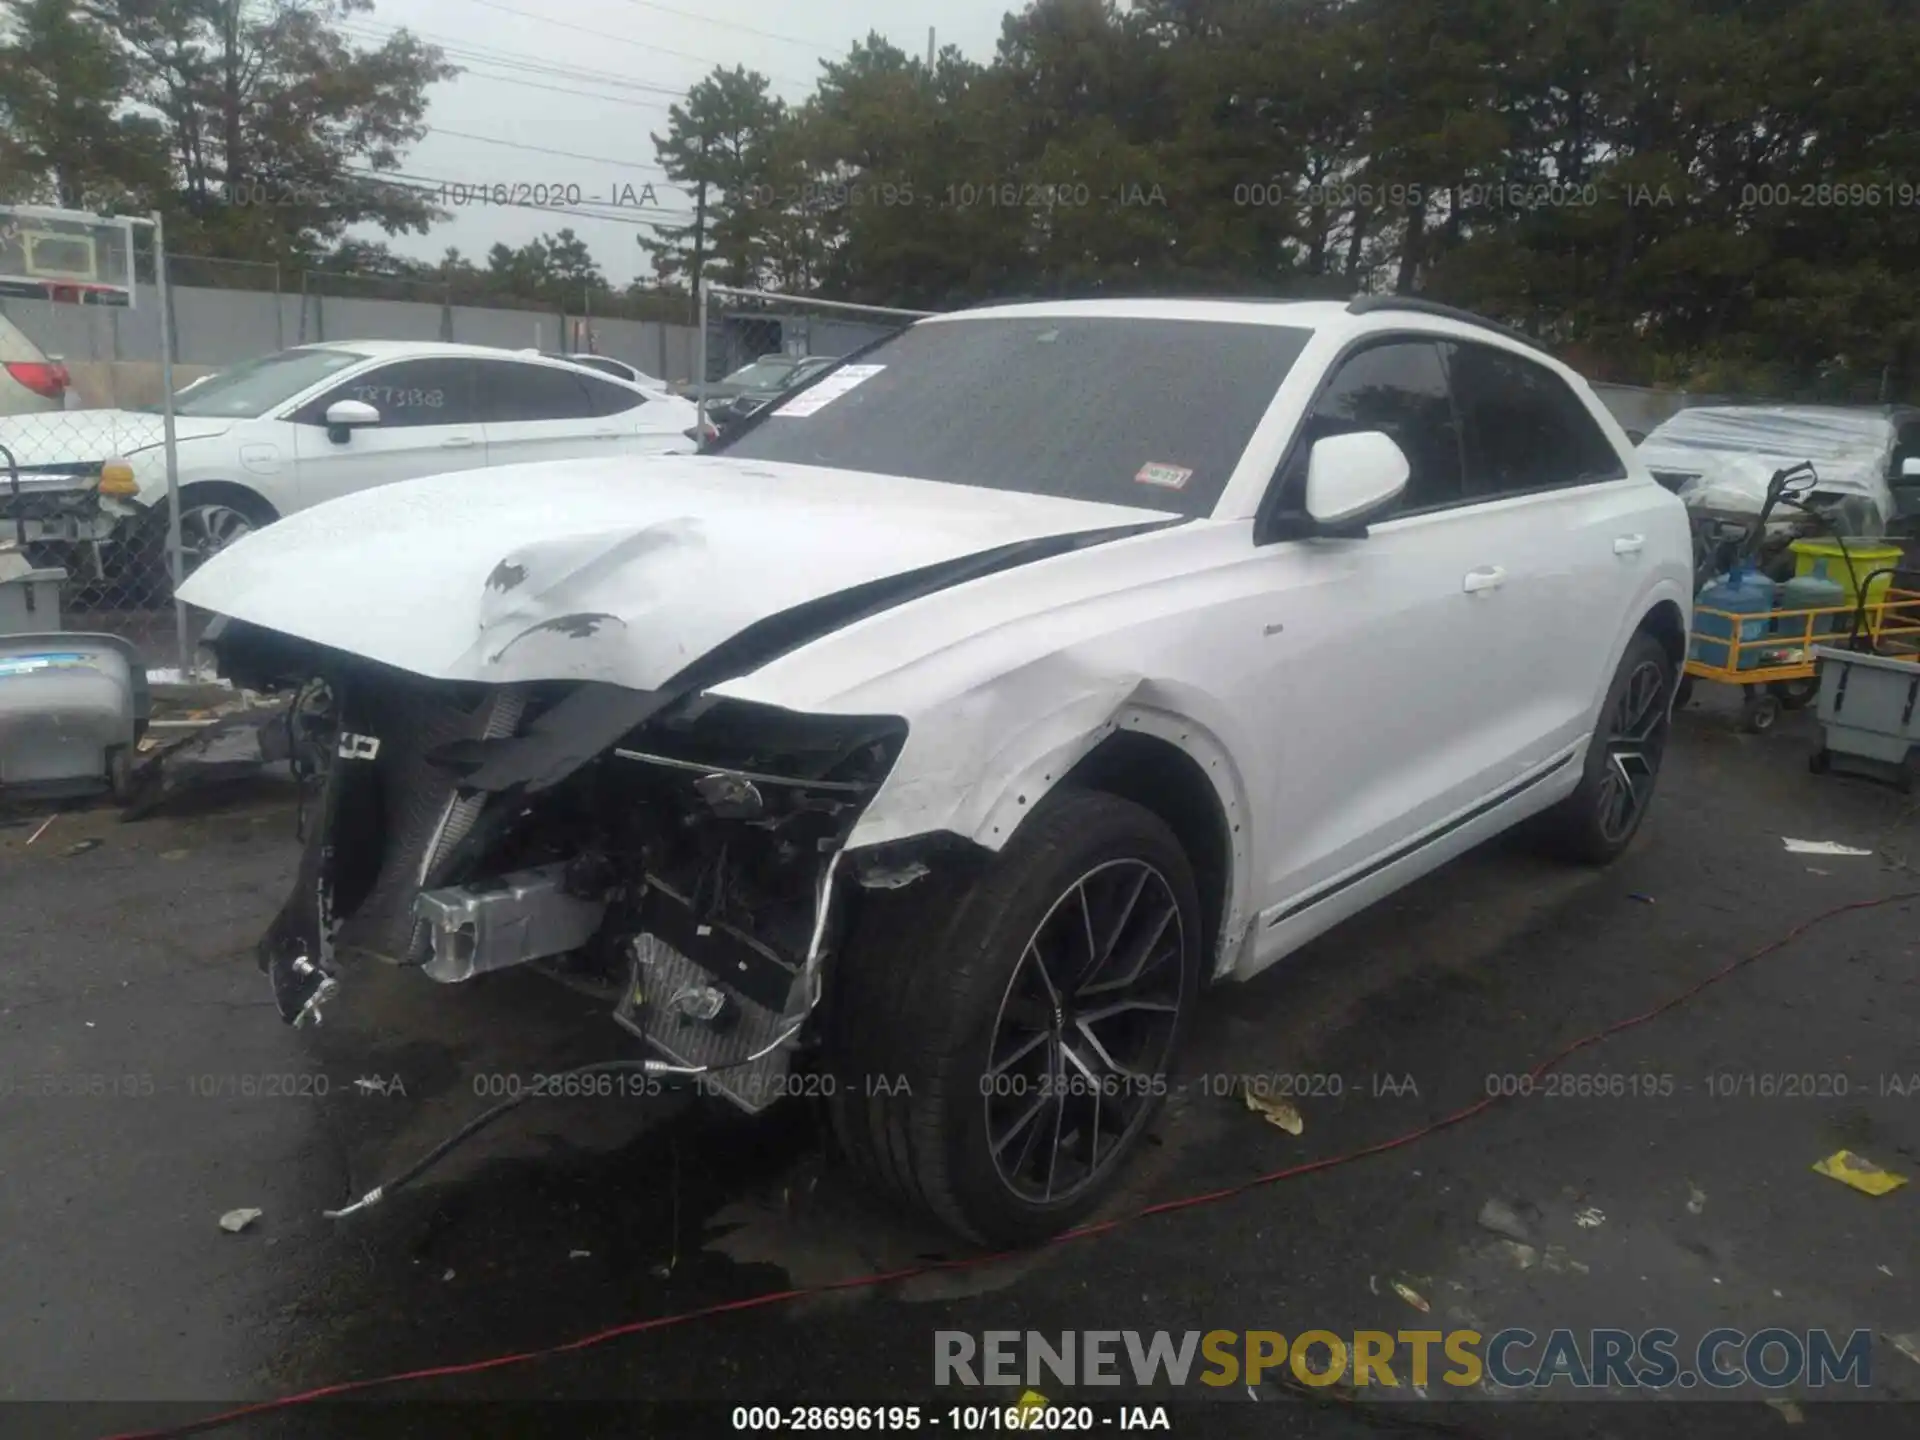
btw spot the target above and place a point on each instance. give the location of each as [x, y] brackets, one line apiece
[212, 517]
[1002, 1043]
[1598, 820]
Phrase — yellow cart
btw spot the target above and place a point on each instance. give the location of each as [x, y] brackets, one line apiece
[1769, 654]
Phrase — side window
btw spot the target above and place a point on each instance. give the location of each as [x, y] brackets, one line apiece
[407, 393]
[1400, 387]
[533, 392]
[611, 399]
[1525, 430]
[1906, 443]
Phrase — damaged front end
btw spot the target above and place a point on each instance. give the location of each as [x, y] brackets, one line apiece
[675, 853]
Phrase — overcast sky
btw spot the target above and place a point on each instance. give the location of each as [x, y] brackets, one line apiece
[594, 78]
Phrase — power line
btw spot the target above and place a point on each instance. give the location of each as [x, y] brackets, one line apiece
[543, 150]
[814, 45]
[562, 90]
[578, 75]
[547, 20]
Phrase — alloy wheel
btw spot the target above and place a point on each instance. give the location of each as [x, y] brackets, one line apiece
[1084, 1031]
[1636, 735]
[207, 529]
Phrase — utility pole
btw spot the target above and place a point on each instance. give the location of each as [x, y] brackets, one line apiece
[700, 219]
[929, 47]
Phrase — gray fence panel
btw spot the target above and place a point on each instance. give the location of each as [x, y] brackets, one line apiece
[509, 329]
[674, 350]
[380, 319]
[223, 327]
[625, 340]
[66, 332]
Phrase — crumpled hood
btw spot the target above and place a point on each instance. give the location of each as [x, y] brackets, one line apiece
[618, 570]
[72, 437]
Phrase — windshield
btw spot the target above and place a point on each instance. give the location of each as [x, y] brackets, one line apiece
[768, 371]
[1148, 413]
[253, 387]
[808, 368]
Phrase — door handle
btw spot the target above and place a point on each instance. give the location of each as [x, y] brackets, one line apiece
[1629, 544]
[457, 442]
[606, 434]
[1487, 577]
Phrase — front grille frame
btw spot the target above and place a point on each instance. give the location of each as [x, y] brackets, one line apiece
[413, 812]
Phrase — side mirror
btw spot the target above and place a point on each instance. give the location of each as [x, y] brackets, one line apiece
[346, 416]
[1350, 477]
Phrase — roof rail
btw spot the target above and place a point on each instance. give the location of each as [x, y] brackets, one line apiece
[1229, 297]
[1370, 304]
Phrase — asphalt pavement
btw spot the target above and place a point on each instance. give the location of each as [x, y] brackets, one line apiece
[150, 1088]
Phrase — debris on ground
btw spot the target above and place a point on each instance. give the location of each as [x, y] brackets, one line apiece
[1643, 899]
[173, 854]
[81, 848]
[234, 1221]
[1858, 1173]
[449, 1274]
[1908, 1345]
[1525, 1256]
[43, 828]
[579, 1254]
[1696, 1199]
[1820, 847]
[1275, 1111]
[1412, 1297]
[1556, 1262]
[1502, 1219]
[1591, 1218]
[1789, 1411]
[235, 746]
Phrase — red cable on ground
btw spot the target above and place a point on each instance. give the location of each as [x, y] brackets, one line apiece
[861, 1282]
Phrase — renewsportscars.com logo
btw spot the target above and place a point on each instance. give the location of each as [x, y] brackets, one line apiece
[1514, 1359]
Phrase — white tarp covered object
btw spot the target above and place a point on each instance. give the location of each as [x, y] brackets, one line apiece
[1734, 450]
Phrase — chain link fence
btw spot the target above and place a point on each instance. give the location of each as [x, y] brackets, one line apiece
[86, 452]
[754, 343]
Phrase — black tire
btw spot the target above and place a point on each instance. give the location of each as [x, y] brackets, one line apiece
[120, 774]
[935, 974]
[1759, 709]
[1586, 826]
[204, 499]
[1821, 761]
[1796, 694]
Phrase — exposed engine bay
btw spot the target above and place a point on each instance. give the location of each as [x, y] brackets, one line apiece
[677, 855]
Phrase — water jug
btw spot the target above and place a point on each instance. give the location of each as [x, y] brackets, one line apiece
[1813, 591]
[1740, 592]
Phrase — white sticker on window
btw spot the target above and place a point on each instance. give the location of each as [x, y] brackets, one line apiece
[829, 389]
[1168, 477]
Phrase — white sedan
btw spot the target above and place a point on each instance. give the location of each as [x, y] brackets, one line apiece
[931, 742]
[276, 435]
